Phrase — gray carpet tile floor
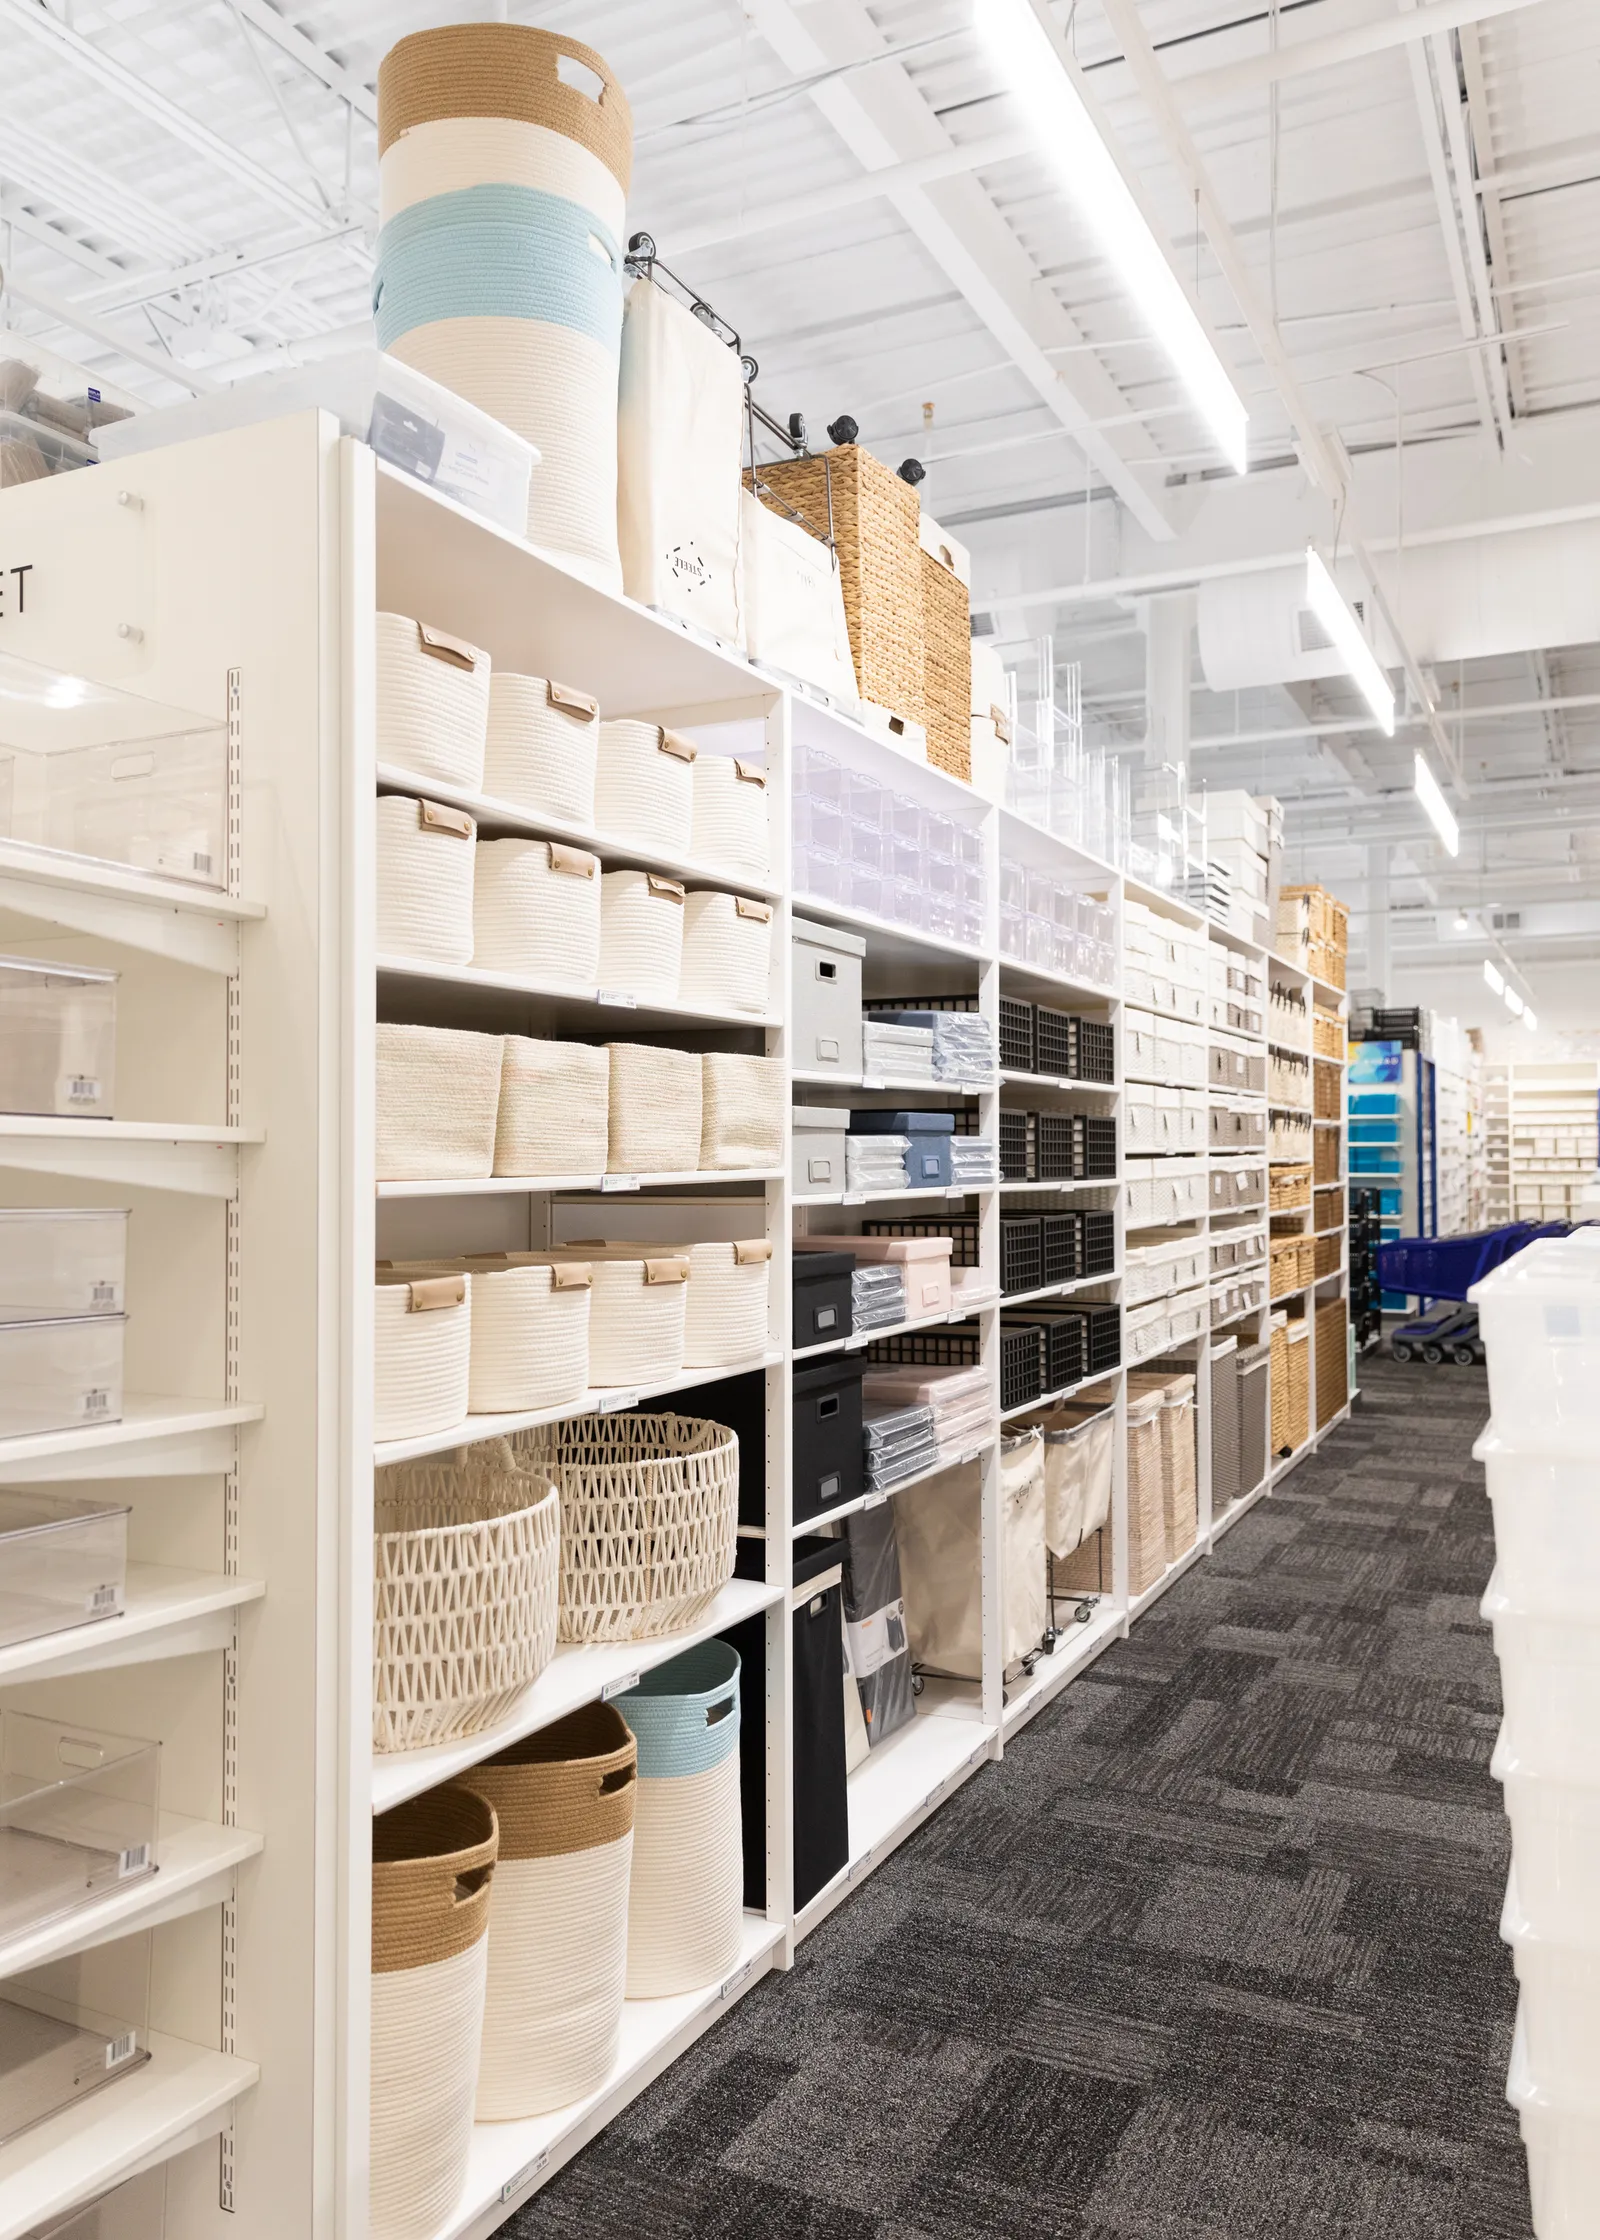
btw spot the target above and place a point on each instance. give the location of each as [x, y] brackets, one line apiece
[1212, 1954]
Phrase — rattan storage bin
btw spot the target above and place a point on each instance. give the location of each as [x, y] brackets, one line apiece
[649, 1519]
[536, 912]
[742, 1111]
[1330, 1209]
[432, 702]
[947, 668]
[437, 1096]
[1328, 1091]
[1325, 1154]
[1147, 1514]
[554, 1108]
[1327, 1033]
[1283, 1254]
[641, 934]
[530, 1334]
[1299, 1373]
[644, 786]
[425, 861]
[1289, 1189]
[657, 1109]
[1088, 1570]
[421, 1347]
[728, 1316]
[731, 827]
[1333, 1360]
[727, 953]
[1282, 1443]
[637, 1309]
[543, 741]
[687, 1894]
[1225, 1486]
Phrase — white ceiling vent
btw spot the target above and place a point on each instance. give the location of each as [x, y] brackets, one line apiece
[1258, 630]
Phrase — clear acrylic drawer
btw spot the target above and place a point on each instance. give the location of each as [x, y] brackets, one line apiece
[135, 2211]
[58, 1039]
[57, 1265]
[63, 1563]
[77, 1817]
[73, 2028]
[60, 1376]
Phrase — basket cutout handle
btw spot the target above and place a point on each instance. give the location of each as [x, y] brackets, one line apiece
[435, 1292]
[618, 1779]
[571, 700]
[1002, 724]
[433, 816]
[717, 1712]
[750, 1251]
[675, 744]
[666, 1271]
[80, 1751]
[575, 862]
[748, 774]
[761, 912]
[666, 890]
[456, 653]
[466, 1886]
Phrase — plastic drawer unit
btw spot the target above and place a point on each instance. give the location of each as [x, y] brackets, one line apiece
[58, 1040]
[825, 989]
[821, 1290]
[826, 1452]
[63, 1562]
[928, 1160]
[819, 1150]
[58, 1265]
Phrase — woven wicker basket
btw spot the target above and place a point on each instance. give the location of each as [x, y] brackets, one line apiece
[727, 953]
[530, 1334]
[536, 912]
[1290, 1189]
[688, 1860]
[1088, 1570]
[438, 1091]
[641, 934]
[1283, 1255]
[649, 1519]
[432, 702]
[947, 668]
[657, 1110]
[425, 869]
[553, 1108]
[542, 741]
[1299, 1382]
[637, 1311]
[729, 1306]
[1147, 1510]
[1282, 1441]
[644, 786]
[1333, 1360]
[421, 1350]
[731, 830]
[467, 1560]
[1325, 1154]
[742, 1111]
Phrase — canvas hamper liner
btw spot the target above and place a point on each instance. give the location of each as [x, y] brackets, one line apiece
[554, 1108]
[687, 1894]
[433, 1863]
[727, 952]
[542, 742]
[1179, 1473]
[644, 786]
[937, 1529]
[742, 1107]
[730, 829]
[438, 1093]
[727, 1317]
[536, 912]
[1078, 1452]
[432, 702]
[530, 1334]
[558, 1918]
[466, 1557]
[649, 1518]
[637, 1311]
[426, 858]
[680, 438]
[641, 934]
[421, 1350]
[657, 1109]
[793, 601]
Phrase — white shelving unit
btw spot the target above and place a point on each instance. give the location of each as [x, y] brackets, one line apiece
[1553, 1107]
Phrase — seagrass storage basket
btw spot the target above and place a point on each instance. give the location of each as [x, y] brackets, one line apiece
[536, 912]
[542, 745]
[466, 1561]
[947, 668]
[433, 1862]
[1147, 1511]
[1179, 1472]
[729, 1304]
[649, 1517]
[742, 1102]
[1299, 1375]
[1290, 1189]
[727, 953]
[731, 828]
[438, 1093]
[1325, 1154]
[432, 702]
[421, 1351]
[637, 1311]
[558, 1918]
[644, 786]
[657, 1109]
[554, 1108]
[687, 1889]
[530, 1334]
[1282, 1441]
[1333, 1360]
[641, 934]
[425, 861]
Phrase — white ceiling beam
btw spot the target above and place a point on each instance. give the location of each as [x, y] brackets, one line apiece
[101, 330]
[59, 242]
[1299, 58]
[55, 174]
[131, 288]
[311, 58]
[1426, 98]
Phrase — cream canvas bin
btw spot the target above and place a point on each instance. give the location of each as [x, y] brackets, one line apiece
[644, 786]
[657, 1103]
[1141, 1060]
[731, 830]
[438, 1094]
[1165, 1191]
[637, 1312]
[741, 1111]
[819, 1136]
[1155, 1271]
[1079, 1456]
[727, 1316]
[925, 1262]
[727, 953]
[536, 912]
[685, 1904]
[426, 855]
[641, 935]
[554, 1113]
[938, 1538]
[421, 1348]
[825, 999]
[542, 746]
[432, 702]
[58, 1039]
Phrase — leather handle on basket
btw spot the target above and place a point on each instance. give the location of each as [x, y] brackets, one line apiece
[439, 645]
[666, 1271]
[433, 816]
[751, 1252]
[572, 1275]
[666, 890]
[675, 744]
[434, 1292]
[569, 698]
[748, 774]
[1002, 724]
[573, 861]
[760, 911]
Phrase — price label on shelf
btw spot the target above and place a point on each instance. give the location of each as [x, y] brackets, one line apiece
[873, 1081]
[608, 1402]
[610, 1182]
[525, 2176]
[735, 1982]
[619, 1687]
[874, 1500]
[617, 996]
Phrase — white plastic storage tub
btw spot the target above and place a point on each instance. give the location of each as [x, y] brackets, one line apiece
[541, 747]
[644, 787]
[63, 1562]
[536, 912]
[60, 1376]
[1546, 1522]
[825, 999]
[432, 703]
[641, 935]
[56, 1265]
[426, 854]
[58, 1039]
[1561, 2135]
[554, 1108]
[1555, 1840]
[1558, 2007]
[438, 1094]
[421, 1352]
[1550, 1681]
[727, 953]
[730, 825]
[1540, 1317]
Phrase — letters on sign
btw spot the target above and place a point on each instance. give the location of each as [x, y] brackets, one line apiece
[14, 589]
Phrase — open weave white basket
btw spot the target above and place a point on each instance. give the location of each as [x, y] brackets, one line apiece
[727, 953]
[641, 934]
[649, 1519]
[656, 1110]
[742, 1110]
[730, 1293]
[644, 786]
[432, 702]
[731, 829]
[438, 1094]
[554, 1099]
[466, 1560]
[421, 1348]
[543, 739]
[536, 912]
[530, 1335]
[425, 865]
[637, 1308]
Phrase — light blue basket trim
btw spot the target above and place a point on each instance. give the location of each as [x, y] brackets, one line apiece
[674, 1712]
[498, 252]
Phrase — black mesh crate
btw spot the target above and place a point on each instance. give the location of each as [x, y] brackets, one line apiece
[1103, 1335]
[1054, 1042]
[1057, 1154]
[1021, 1252]
[1097, 1050]
[1061, 1246]
[920, 1003]
[1018, 1135]
[1099, 1147]
[1022, 1362]
[1064, 1341]
[1016, 1036]
[961, 1229]
[1099, 1242]
[929, 1349]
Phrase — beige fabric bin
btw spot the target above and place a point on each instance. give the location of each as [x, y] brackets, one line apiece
[1147, 1510]
[542, 744]
[554, 1108]
[937, 1533]
[432, 702]
[641, 935]
[438, 1093]
[425, 864]
[644, 786]
[742, 1108]
[536, 912]
[731, 825]
[657, 1109]
[421, 1348]
[727, 953]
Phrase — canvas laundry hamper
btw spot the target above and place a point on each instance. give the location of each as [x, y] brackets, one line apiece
[426, 854]
[657, 1109]
[731, 831]
[727, 953]
[421, 1353]
[536, 912]
[637, 1310]
[938, 1532]
[558, 1915]
[1079, 1446]
[438, 1093]
[649, 1519]
[540, 751]
[433, 1863]
[466, 1558]
[554, 1108]
[742, 1108]
[530, 1333]
[641, 935]
[794, 619]
[644, 786]
[432, 708]
[729, 1307]
[687, 1894]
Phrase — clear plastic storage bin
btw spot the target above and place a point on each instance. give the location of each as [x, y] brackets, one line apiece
[63, 1563]
[135, 2211]
[1561, 2133]
[1558, 2007]
[1555, 1840]
[60, 1264]
[1550, 1680]
[58, 1039]
[76, 2027]
[60, 1376]
[1540, 1317]
[1546, 1521]
[78, 1813]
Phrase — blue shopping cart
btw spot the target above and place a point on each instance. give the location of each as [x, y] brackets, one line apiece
[1435, 1269]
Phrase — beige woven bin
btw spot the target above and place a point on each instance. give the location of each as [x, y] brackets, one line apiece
[553, 1108]
[530, 1333]
[637, 1312]
[730, 1302]
[727, 953]
[421, 1349]
[649, 1520]
[536, 912]
[438, 1094]
[425, 864]
[743, 1101]
[558, 1919]
[644, 786]
[641, 935]
[657, 1110]
[542, 745]
[947, 668]
[466, 1562]
[1147, 1511]
[433, 1862]
[731, 829]
[432, 702]
[1180, 1490]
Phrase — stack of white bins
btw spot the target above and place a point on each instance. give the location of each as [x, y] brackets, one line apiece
[1540, 1317]
[1244, 836]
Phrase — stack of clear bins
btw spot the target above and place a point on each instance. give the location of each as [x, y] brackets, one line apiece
[62, 1277]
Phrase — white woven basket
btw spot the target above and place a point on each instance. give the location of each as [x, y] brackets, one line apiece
[443, 155]
[438, 1094]
[727, 953]
[637, 1308]
[731, 829]
[421, 1347]
[688, 1882]
[641, 934]
[530, 1335]
[742, 1102]
[543, 739]
[536, 912]
[730, 1291]
[553, 1108]
[467, 1561]
[425, 866]
[644, 786]
[656, 1110]
[432, 702]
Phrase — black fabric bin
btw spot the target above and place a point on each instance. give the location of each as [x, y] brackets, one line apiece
[821, 1807]
[821, 1292]
[826, 1461]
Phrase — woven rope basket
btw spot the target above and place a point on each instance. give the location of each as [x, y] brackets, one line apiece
[553, 1108]
[450, 154]
[947, 668]
[641, 934]
[433, 702]
[1298, 1338]
[421, 1350]
[466, 1560]
[536, 912]
[644, 786]
[637, 1308]
[742, 1111]
[688, 1861]
[731, 828]
[542, 742]
[727, 953]
[1282, 1442]
[425, 867]
[1147, 1514]
[530, 1336]
[438, 1093]
[730, 1291]
[505, 70]
[657, 1109]
[649, 1518]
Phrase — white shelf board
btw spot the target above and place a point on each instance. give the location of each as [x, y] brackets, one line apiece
[586, 1001]
[579, 1673]
[1039, 985]
[1077, 1648]
[885, 937]
[160, 1436]
[144, 1154]
[895, 1197]
[859, 1340]
[166, 1613]
[1027, 842]
[1166, 905]
[195, 1864]
[1081, 1182]
[876, 1081]
[1228, 939]
[1058, 1290]
[1067, 1392]
[192, 925]
[1140, 1603]
[1011, 1080]
[550, 1185]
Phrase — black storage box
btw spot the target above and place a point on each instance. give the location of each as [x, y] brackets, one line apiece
[826, 1461]
[821, 1282]
[1060, 1236]
[1022, 1358]
[1016, 1036]
[1099, 1242]
[1065, 1362]
[1057, 1157]
[1017, 1141]
[1021, 1252]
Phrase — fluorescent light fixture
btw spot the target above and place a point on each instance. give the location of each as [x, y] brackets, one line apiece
[1443, 823]
[1514, 1003]
[1328, 603]
[1530, 1021]
[1494, 976]
[1040, 78]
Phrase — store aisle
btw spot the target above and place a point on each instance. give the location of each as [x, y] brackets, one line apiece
[1213, 1955]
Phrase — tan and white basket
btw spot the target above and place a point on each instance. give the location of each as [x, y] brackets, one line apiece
[641, 934]
[466, 1562]
[438, 1094]
[536, 912]
[637, 1311]
[644, 786]
[742, 1111]
[649, 1519]
[542, 744]
[688, 1861]
[530, 1334]
[432, 702]
[657, 1110]
[730, 1299]
[731, 830]
[421, 1352]
[727, 953]
[554, 1100]
[425, 866]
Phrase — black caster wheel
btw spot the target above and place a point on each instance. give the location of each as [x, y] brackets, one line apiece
[917, 1683]
[1083, 1613]
[1051, 1641]
[1463, 1357]
[1029, 1661]
[1401, 1351]
[1433, 1355]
